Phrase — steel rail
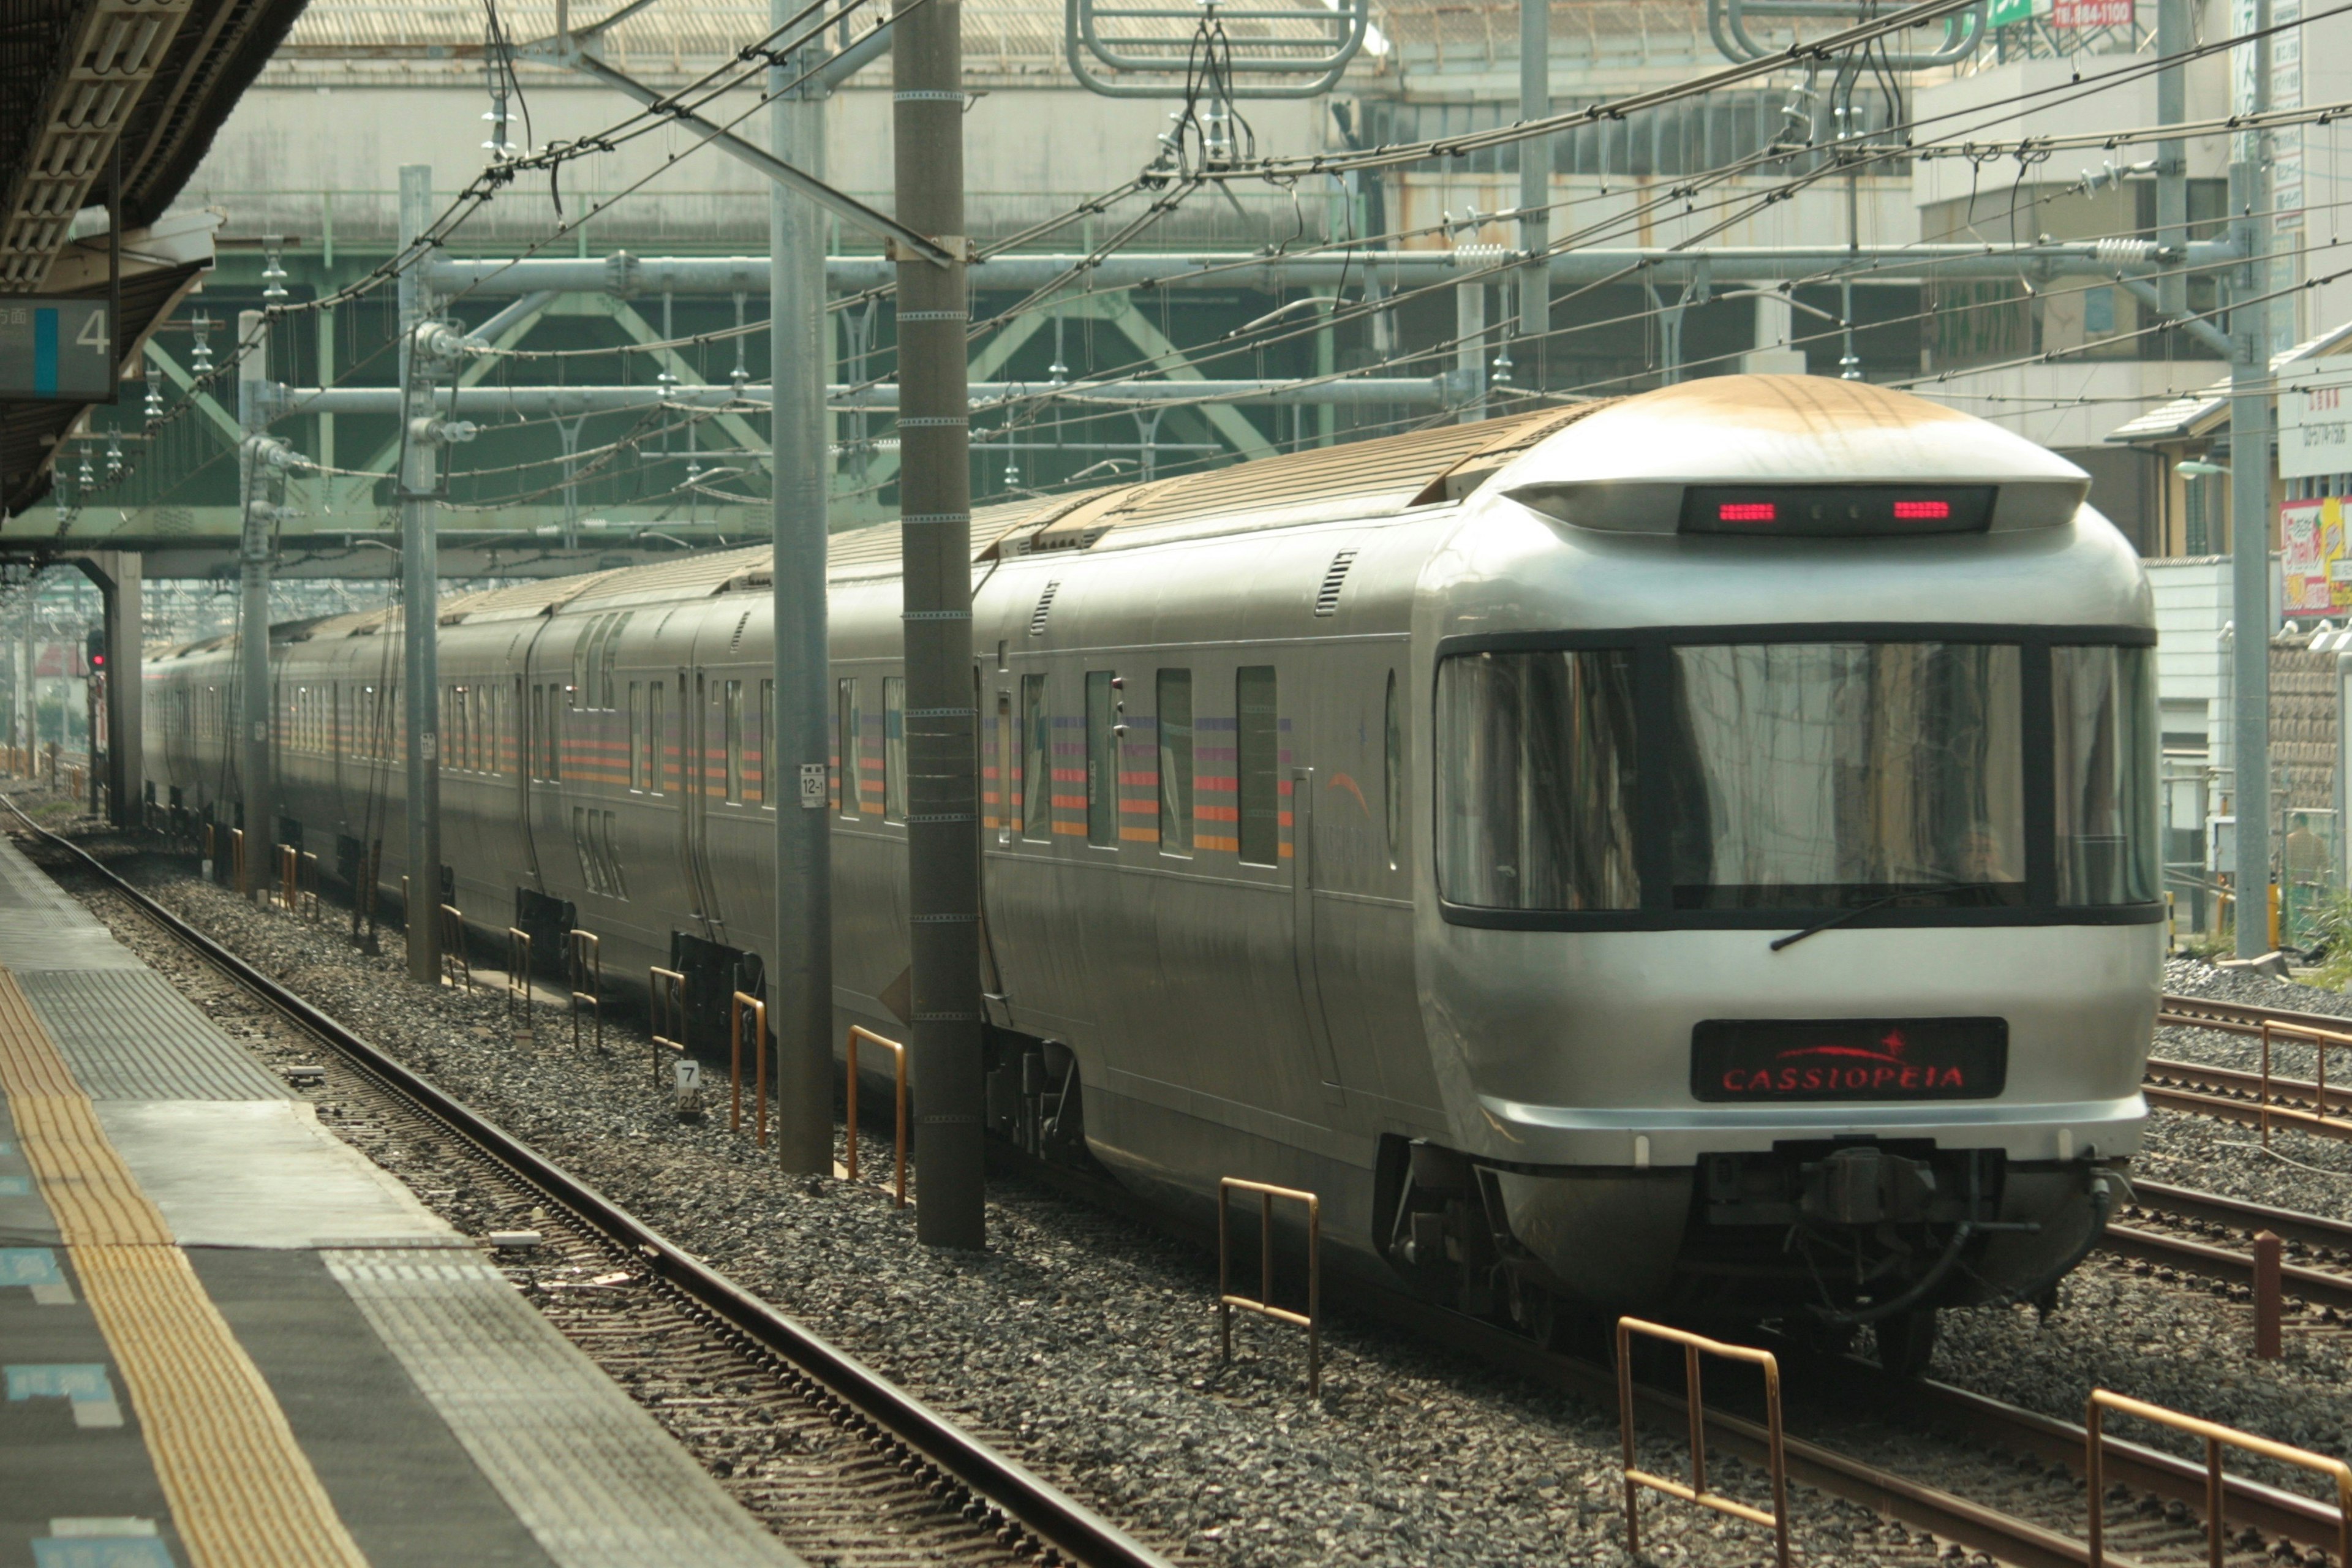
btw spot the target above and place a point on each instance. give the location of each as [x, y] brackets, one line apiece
[2212, 1208]
[2228, 1094]
[1061, 1522]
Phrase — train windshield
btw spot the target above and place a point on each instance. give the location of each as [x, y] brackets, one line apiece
[1795, 775]
[1812, 775]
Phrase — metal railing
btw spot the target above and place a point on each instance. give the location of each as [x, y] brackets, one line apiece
[583, 977]
[1695, 1490]
[518, 984]
[2216, 1437]
[1263, 1304]
[456, 965]
[736, 1007]
[2195, 1012]
[297, 882]
[899, 1180]
[667, 1004]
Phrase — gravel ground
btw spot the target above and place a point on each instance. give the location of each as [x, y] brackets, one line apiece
[1089, 1347]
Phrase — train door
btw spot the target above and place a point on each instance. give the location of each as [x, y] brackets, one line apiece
[1306, 947]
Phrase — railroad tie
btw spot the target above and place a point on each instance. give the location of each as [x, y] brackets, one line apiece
[241, 1490]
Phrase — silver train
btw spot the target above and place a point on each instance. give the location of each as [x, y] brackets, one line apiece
[1695, 852]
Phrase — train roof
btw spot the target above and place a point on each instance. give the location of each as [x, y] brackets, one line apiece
[1753, 424]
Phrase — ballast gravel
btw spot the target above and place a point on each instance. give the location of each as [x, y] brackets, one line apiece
[1087, 1346]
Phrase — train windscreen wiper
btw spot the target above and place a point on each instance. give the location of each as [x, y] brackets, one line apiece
[1822, 924]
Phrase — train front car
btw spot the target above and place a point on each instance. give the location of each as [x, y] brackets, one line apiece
[1794, 940]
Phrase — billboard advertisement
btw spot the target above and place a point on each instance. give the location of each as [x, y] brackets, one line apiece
[2311, 558]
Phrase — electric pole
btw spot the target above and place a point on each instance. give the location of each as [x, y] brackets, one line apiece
[419, 601]
[800, 991]
[2173, 38]
[256, 704]
[2250, 487]
[1534, 175]
[943, 716]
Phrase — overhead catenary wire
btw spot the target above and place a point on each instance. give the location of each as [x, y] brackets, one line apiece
[2319, 115]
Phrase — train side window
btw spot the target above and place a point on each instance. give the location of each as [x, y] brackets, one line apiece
[763, 725]
[1001, 798]
[556, 701]
[1258, 764]
[1174, 702]
[636, 735]
[734, 722]
[611, 856]
[894, 748]
[607, 688]
[1393, 773]
[1037, 758]
[851, 744]
[588, 869]
[1102, 762]
[657, 755]
[536, 750]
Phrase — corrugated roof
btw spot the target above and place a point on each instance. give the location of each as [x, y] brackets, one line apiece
[673, 36]
[2202, 412]
[521, 601]
[1465, 34]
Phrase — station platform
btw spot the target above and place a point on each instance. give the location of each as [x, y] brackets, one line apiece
[228, 1338]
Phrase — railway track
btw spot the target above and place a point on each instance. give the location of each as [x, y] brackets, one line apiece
[2249, 1098]
[2021, 1509]
[841, 1464]
[938, 1495]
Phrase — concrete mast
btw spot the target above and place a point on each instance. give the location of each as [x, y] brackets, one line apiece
[2250, 489]
[943, 716]
[419, 601]
[256, 702]
[799, 988]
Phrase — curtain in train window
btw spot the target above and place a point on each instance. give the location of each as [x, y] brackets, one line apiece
[2103, 703]
[619, 881]
[1036, 760]
[1001, 798]
[1173, 701]
[1393, 773]
[763, 725]
[894, 748]
[734, 721]
[845, 746]
[656, 749]
[1258, 764]
[1825, 775]
[1102, 760]
[636, 735]
[1535, 781]
[606, 687]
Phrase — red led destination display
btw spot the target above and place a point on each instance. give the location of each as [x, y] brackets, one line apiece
[1760, 512]
[1779, 1060]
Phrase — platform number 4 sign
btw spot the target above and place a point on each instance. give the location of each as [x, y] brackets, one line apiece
[812, 786]
[59, 350]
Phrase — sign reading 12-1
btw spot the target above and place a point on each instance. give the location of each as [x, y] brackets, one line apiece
[56, 349]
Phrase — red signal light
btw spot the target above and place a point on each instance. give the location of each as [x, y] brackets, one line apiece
[1923, 510]
[1747, 511]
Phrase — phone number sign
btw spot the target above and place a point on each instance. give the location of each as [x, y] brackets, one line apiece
[2315, 419]
[56, 350]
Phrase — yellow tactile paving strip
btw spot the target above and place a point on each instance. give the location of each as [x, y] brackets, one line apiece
[241, 1489]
